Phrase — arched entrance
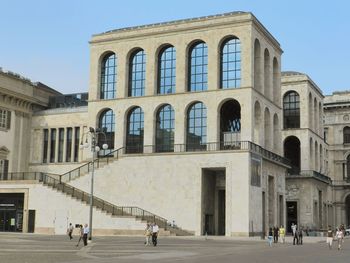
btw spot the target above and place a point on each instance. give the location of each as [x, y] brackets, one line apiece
[347, 210]
[230, 123]
[292, 152]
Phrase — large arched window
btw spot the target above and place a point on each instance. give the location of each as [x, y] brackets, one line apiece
[198, 67]
[106, 124]
[165, 129]
[108, 76]
[196, 127]
[134, 135]
[231, 63]
[137, 74]
[292, 152]
[230, 124]
[291, 110]
[346, 134]
[167, 70]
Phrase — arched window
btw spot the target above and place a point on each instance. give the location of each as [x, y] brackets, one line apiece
[134, 136]
[167, 70]
[231, 63]
[292, 152]
[165, 129]
[198, 67]
[257, 66]
[196, 127]
[137, 74]
[346, 134]
[108, 77]
[291, 110]
[230, 124]
[106, 124]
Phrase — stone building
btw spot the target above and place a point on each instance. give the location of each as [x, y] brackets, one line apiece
[196, 121]
[337, 130]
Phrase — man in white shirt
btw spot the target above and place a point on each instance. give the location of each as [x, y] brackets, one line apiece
[85, 234]
[155, 230]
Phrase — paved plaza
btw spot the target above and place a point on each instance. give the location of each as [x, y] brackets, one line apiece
[27, 248]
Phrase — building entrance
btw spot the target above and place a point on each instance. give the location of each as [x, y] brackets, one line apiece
[213, 201]
[292, 214]
[11, 212]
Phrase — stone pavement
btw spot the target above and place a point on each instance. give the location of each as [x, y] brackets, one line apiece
[31, 248]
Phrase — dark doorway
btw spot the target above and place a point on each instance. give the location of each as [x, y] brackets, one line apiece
[292, 152]
[31, 221]
[221, 212]
[292, 214]
[213, 201]
[11, 212]
[263, 215]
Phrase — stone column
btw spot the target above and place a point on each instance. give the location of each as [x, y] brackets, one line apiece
[150, 82]
[181, 67]
[213, 64]
[72, 145]
[64, 144]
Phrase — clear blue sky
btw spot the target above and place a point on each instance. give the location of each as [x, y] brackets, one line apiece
[47, 41]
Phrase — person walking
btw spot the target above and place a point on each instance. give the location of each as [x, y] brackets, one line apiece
[300, 236]
[270, 236]
[155, 231]
[81, 234]
[148, 234]
[295, 233]
[329, 237]
[339, 235]
[70, 231]
[275, 234]
[85, 234]
[282, 233]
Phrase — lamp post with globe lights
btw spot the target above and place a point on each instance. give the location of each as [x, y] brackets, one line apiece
[93, 133]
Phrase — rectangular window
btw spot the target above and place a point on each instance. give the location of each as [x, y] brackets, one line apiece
[60, 144]
[46, 145]
[53, 145]
[76, 144]
[5, 119]
[69, 145]
[4, 167]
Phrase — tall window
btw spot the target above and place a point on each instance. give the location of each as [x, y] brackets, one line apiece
[291, 110]
[167, 71]
[198, 67]
[52, 145]
[165, 129]
[45, 145]
[76, 143]
[69, 145]
[196, 127]
[231, 64]
[137, 74]
[108, 76]
[60, 144]
[5, 119]
[134, 136]
[346, 134]
[107, 125]
[348, 167]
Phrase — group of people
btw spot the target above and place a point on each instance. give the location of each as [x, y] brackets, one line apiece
[275, 233]
[297, 234]
[151, 232]
[83, 233]
[338, 235]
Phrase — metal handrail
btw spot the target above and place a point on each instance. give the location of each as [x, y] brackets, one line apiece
[85, 168]
[206, 147]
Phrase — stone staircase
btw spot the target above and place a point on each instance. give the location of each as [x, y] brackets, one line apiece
[56, 182]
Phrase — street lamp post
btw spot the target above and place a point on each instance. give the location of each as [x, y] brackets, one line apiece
[94, 149]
